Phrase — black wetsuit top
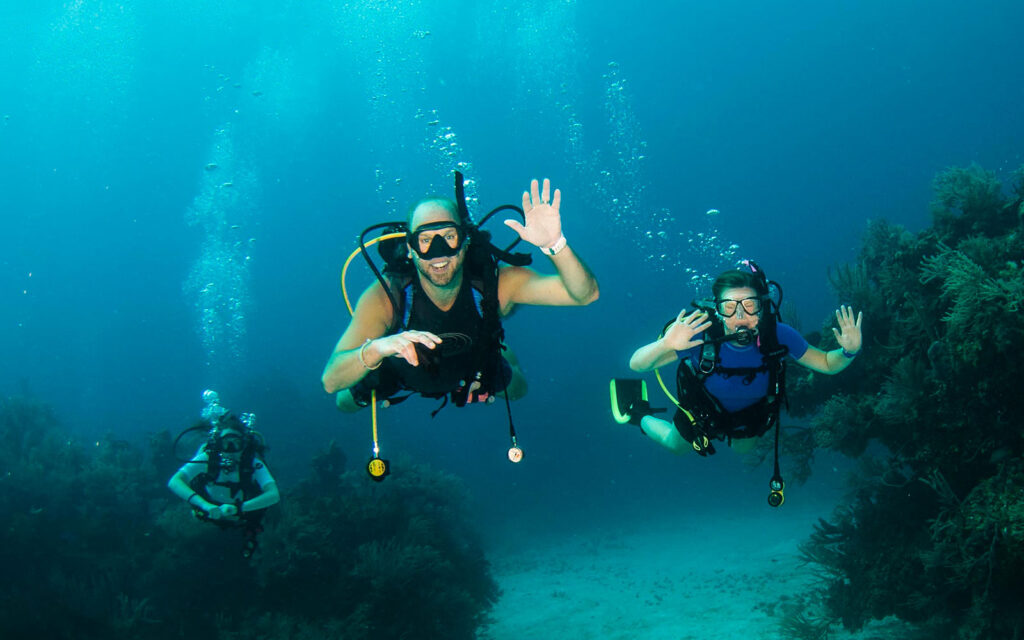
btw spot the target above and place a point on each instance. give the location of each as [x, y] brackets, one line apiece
[443, 368]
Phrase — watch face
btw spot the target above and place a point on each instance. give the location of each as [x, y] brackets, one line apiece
[515, 454]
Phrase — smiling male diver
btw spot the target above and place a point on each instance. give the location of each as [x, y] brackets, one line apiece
[433, 325]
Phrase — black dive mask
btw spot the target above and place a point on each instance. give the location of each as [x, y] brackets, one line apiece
[232, 443]
[444, 244]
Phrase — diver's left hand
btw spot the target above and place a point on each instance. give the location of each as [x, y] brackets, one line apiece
[543, 222]
[222, 511]
[848, 334]
[228, 511]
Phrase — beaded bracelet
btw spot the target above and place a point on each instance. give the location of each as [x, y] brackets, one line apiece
[845, 353]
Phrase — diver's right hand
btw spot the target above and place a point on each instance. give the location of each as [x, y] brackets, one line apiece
[403, 345]
[222, 511]
[679, 336]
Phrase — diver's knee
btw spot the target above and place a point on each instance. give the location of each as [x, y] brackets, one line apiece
[744, 445]
[345, 402]
[665, 433]
[517, 385]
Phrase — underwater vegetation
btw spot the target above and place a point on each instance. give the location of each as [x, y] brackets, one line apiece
[932, 531]
[94, 546]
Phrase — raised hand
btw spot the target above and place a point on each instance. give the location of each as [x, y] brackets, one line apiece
[679, 336]
[543, 221]
[848, 334]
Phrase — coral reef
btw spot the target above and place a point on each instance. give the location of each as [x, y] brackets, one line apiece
[373, 547]
[933, 529]
[94, 546]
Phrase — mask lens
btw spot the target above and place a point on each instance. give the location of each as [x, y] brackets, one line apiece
[437, 240]
[231, 444]
[728, 308]
[751, 305]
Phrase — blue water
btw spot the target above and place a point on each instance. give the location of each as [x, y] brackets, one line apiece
[134, 276]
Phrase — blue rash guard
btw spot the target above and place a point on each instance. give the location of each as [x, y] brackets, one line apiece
[733, 391]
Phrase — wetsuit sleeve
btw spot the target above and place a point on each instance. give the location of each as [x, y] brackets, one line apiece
[196, 466]
[793, 340]
[260, 473]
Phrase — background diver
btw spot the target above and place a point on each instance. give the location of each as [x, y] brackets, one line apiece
[226, 482]
[731, 377]
[445, 337]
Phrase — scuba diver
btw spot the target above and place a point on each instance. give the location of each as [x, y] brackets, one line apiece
[431, 324]
[226, 482]
[730, 381]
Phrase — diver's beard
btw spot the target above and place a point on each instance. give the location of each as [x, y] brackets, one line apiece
[443, 277]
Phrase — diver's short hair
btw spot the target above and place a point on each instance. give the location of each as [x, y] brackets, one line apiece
[445, 203]
[736, 278]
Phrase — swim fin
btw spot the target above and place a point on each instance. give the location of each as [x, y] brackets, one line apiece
[629, 400]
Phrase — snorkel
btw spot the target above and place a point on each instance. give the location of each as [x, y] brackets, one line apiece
[768, 288]
[394, 233]
[766, 313]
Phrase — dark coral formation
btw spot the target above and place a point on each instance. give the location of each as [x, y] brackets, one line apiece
[395, 560]
[94, 546]
[933, 532]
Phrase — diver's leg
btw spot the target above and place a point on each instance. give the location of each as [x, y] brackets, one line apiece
[517, 386]
[744, 445]
[359, 395]
[346, 403]
[665, 433]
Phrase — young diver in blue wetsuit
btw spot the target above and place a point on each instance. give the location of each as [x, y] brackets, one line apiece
[731, 376]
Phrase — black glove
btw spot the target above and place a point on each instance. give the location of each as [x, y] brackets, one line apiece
[702, 444]
[639, 409]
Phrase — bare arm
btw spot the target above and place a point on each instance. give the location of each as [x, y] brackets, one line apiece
[179, 486]
[678, 337]
[573, 285]
[364, 344]
[268, 498]
[850, 340]
[371, 320]
[828, 362]
[651, 356]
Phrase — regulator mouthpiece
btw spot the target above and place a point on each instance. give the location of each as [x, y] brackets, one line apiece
[746, 336]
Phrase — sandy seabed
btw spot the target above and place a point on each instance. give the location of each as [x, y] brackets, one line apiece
[723, 575]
